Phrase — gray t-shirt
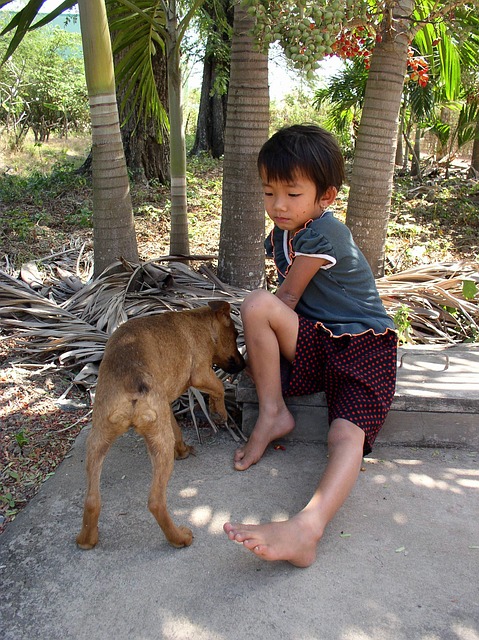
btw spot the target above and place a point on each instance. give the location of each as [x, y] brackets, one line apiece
[342, 296]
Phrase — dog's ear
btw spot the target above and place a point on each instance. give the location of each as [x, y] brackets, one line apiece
[221, 309]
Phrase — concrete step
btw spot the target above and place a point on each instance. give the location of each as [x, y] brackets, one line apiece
[436, 401]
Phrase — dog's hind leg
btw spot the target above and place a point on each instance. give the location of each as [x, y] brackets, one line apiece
[97, 448]
[161, 446]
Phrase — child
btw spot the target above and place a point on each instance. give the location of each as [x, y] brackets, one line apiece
[326, 323]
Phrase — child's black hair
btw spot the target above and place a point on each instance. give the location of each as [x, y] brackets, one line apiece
[302, 149]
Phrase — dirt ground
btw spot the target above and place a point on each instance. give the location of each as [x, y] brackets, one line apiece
[36, 432]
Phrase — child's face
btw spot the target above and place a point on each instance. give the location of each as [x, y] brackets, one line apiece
[291, 205]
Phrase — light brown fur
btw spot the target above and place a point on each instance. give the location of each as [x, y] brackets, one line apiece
[148, 363]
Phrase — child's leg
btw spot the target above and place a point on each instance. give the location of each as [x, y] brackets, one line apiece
[270, 328]
[295, 540]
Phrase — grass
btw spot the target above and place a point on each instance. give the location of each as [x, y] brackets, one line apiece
[42, 156]
[436, 223]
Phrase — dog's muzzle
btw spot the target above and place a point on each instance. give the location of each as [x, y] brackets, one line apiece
[235, 365]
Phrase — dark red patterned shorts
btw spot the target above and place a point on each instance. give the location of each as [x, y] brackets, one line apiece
[357, 374]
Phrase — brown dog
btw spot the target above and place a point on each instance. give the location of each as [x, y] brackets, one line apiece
[148, 363]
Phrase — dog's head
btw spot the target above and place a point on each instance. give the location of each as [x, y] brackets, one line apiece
[226, 353]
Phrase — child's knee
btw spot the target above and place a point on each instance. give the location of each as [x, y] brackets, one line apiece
[255, 303]
[343, 431]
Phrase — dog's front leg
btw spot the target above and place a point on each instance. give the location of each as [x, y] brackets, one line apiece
[210, 383]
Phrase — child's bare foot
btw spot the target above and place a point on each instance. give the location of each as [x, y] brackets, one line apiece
[266, 429]
[292, 540]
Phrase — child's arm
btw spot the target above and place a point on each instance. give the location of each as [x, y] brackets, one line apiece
[298, 278]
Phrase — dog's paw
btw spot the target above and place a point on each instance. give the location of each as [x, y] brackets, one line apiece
[183, 538]
[183, 450]
[219, 418]
[217, 410]
[87, 540]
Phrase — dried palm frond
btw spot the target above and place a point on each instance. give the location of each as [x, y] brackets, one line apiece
[428, 304]
[432, 304]
[51, 330]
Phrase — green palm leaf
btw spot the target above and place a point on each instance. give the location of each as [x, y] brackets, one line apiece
[421, 101]
[21, 23]
[67, 4]
[444, 59]
[466, 128]
[139, 33]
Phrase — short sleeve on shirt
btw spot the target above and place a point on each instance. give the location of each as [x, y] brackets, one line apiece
[308, 242]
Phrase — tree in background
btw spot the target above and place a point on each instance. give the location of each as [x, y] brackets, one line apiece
[113, 227]
[143, 27]
[42, 87]
[216, 22]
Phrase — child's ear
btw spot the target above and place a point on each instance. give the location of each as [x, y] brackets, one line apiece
[328, 197]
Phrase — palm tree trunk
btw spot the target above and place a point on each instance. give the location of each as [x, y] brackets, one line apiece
[475, 150]
[210, 125]
[113, 225]
[373, 169]
[241, 251]
[399, 158]
[416, 156]
[179, 241]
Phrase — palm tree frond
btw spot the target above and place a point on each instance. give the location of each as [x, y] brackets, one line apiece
[443, 57]
[421, 101]
[139, 34]
[67, 4]
[21, 23]
[467, 125]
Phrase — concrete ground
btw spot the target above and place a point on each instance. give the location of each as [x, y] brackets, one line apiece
[399, 562]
